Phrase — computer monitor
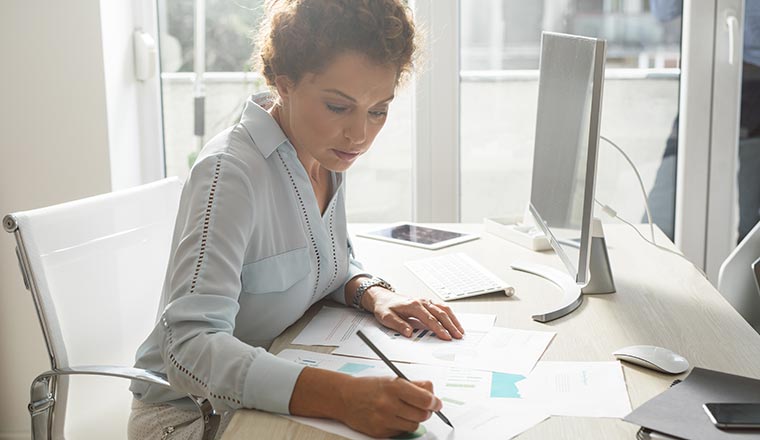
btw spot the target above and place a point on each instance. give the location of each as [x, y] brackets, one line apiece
[571, 81]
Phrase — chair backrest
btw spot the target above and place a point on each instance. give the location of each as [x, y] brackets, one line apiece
[736, 280]
[96, 268]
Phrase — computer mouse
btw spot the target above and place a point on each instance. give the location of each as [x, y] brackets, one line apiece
[653, 357]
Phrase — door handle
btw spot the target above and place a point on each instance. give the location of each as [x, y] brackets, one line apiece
[145, 54]
[732, 23]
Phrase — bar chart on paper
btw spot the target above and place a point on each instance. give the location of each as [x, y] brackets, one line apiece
[504, 385]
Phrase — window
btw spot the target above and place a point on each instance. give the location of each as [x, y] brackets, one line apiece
[379, 185]
[500, 47]
[227, 80]
[499, 51]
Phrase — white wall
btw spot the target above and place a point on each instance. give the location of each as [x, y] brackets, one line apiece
[54, 145]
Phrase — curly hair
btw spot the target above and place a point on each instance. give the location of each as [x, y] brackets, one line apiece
[304, 36]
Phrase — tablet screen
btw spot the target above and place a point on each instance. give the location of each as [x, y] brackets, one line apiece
[417, 234]
[420, 236]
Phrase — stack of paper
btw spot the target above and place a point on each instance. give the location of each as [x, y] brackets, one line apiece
[491, 381]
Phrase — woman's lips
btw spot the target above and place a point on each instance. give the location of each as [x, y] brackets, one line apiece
[346, 156]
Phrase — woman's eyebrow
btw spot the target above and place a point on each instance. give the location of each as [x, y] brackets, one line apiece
[338, 92]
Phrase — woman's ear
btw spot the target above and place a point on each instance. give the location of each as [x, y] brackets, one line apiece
[284, 86]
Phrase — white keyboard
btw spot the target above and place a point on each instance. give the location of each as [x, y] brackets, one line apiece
[456, 276]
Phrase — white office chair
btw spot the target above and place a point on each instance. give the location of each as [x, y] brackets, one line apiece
[736, 280]
[95, 268]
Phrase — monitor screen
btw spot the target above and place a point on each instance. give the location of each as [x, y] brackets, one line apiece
[567, 136]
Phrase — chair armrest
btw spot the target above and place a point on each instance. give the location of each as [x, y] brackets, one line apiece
[43, 400]
[139, 374]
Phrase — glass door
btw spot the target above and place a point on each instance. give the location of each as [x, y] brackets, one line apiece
[734, 202]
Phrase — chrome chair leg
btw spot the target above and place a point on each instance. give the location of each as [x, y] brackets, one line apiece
[41, 408]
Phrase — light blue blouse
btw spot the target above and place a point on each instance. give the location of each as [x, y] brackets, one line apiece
[251, 253]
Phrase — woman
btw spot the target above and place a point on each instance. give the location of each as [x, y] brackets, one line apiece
[261, 234]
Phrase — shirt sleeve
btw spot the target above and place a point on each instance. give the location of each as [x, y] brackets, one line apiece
[201, 355]
[355, 268]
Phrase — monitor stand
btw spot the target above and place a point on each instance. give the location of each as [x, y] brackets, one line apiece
[601, 280]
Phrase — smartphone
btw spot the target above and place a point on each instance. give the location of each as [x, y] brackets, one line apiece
[734, 415]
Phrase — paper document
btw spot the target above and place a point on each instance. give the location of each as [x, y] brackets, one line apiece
[470, 422]
[332, 326]
[472, 418]
[453, 385]
[353, 366]
[580, 389]
[498, 349]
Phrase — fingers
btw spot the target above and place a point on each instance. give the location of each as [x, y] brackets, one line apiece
[405, 425]
[398, 313]
[446, 319]
[393, 321]
[418, 395]
[386, 406]
[425, 384]
[450, 314]
[412, 414]
[421, 309]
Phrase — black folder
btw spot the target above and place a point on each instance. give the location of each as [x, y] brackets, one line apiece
[678, 411]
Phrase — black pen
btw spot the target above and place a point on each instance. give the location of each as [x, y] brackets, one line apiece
[393, 367]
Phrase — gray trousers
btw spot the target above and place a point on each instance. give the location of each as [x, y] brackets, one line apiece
[163, 421]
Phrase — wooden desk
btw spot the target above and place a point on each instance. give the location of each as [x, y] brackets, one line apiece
[661, 300]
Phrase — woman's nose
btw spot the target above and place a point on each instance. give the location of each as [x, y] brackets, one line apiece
[356, 132]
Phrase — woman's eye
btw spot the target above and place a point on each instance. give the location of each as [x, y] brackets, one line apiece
[378, 113]
[336, 108]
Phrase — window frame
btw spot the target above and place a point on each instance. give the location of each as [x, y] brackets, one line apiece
[708, 136]
[149, 101]
[436, 159]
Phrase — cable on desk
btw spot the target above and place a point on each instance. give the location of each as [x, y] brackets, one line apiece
[612, 213]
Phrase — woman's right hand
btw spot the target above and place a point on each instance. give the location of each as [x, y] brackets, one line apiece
[387, 406]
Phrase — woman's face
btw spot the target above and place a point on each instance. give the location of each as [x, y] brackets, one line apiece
[333, 116]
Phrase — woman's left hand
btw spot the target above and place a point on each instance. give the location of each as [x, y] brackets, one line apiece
[401, 313]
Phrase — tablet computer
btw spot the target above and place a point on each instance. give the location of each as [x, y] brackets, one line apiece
[418, 235]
